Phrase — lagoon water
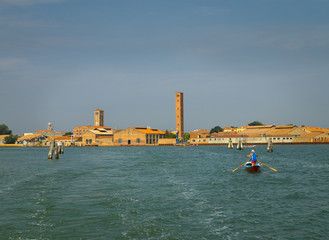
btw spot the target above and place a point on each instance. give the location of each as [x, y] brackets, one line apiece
[164, 193]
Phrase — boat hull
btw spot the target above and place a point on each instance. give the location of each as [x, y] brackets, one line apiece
[252, 169]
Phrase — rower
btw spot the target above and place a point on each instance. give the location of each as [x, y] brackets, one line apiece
[253, 157]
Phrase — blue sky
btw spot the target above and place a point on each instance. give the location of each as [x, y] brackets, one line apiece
[236, 62]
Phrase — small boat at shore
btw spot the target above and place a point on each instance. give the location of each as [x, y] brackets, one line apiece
[192, 145]
[249, 146]
[252, 169]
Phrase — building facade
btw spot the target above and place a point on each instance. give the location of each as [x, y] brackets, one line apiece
[98, 137]
[137, 136]
[79, 131]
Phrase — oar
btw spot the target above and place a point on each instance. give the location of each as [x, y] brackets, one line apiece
[240, 166]
[268, 166]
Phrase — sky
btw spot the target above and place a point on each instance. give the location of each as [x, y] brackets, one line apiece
[235, 61]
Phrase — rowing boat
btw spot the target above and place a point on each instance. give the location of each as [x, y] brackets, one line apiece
[250, 168]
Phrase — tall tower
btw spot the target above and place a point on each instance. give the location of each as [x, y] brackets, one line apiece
[99, 118]
[180, 114]
[50, 127]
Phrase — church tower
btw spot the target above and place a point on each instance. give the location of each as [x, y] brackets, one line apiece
[180, 114]
[99, 118]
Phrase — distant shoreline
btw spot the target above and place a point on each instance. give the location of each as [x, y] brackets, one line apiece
[178, 145]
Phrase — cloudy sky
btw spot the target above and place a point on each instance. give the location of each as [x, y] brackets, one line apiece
[236, 62]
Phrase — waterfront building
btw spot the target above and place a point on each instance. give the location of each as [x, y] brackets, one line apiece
[137, 136]
[284, 133]
[199, 136]
[98, 137]
[310, 129]
[314, 137]
[79, 131]
[31, 139]
[199, 133]
[256, 130]
[47, 133]
[225, 138]
[65, 140]
[179, 114]
[229, 129]
[240, 129]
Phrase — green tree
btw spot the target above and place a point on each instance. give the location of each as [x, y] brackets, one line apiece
[255, 123]
[187, 136]
[4, 130]
[68, 134]
[216, 129]
[11, 139]
[170, 135]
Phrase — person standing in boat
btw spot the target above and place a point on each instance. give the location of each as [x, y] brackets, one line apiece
[253, 157]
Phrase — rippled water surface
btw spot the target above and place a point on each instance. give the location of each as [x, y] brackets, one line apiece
[164, 193]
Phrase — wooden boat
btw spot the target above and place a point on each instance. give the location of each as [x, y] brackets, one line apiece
[252, 169]
[249, 146]
[192, 145]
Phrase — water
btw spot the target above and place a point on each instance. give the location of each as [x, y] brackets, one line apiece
[164, 193]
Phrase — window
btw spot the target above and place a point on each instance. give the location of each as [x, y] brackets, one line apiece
[120, 140]
[138, 140]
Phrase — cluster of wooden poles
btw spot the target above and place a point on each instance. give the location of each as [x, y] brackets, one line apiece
[57, 148]
[240, 147]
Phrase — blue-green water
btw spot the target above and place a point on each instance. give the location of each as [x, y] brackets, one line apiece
[164, 193]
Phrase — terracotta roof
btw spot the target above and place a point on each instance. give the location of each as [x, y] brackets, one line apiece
[260, 127]
[28, 137]
[100, 131]
[3, 136]
[281, 130]
[90, 127]
[315, 129]
[58, 138]
[256, 131]
[285, 126]
[200, 131]
[225, 135]
[308, 135]
[149, 130]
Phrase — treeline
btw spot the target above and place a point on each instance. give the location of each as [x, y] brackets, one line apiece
[218, 129]
[4, 130]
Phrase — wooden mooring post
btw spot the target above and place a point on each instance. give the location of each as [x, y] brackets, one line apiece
[239, 146]
[230, 144]
[270, 146]
[56, 151]
[61, 148]
[51, 149]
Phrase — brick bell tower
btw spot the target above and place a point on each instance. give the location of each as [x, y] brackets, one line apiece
[99, 118]
[179, 114]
